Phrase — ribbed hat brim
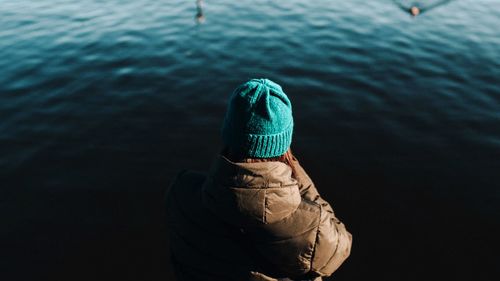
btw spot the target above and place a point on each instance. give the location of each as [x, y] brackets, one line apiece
[261, 146]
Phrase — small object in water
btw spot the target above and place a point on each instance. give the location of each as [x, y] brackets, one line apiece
[415, 11]
[200, 17]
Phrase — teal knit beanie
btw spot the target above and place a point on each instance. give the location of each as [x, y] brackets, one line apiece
[258, 122]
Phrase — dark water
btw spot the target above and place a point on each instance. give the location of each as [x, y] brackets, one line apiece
[102, 102]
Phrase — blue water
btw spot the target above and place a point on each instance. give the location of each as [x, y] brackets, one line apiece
[397, 121]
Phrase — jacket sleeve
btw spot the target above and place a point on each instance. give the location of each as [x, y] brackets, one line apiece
[333, 241]
[332, 245]
[167, 195]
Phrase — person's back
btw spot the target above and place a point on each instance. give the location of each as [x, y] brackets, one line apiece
[256, 215]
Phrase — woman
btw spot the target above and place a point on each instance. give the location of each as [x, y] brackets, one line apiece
[256, 215]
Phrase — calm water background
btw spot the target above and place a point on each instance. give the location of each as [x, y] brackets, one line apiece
[102, 102]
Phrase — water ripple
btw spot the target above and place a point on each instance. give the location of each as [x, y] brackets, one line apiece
[70, 70]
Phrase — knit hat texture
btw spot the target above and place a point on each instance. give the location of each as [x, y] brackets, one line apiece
[258, 121]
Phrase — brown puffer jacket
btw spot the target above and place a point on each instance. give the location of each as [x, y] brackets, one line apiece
[252, 221]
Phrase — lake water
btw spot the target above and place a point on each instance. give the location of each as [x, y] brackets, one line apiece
[102, 102]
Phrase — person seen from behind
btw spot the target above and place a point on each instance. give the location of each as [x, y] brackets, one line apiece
[256, 215]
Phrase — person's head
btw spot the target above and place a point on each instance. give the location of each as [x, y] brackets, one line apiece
[258, 125]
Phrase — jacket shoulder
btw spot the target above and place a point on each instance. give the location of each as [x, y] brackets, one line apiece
[184, 185]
